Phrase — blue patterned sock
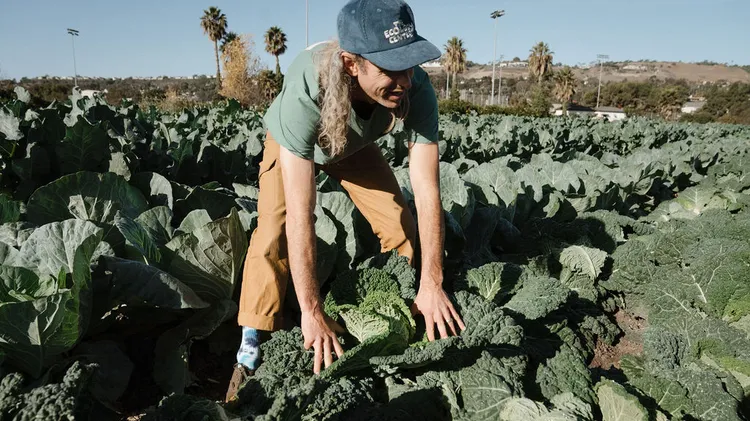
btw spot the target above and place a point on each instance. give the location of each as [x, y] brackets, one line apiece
[249, 352]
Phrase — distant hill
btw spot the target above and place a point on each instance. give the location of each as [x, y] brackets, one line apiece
[634, 71]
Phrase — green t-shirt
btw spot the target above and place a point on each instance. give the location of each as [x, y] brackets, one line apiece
[293, 117]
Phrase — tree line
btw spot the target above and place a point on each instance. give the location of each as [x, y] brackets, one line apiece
[533, 96]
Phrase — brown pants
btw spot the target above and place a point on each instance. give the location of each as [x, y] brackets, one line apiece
[373, 188]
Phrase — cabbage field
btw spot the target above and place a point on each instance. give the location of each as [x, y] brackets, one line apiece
[602, 271]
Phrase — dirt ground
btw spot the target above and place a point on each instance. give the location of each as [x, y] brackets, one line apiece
[631, 343]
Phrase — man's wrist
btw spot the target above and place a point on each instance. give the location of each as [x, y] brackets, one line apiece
[431, 281]
[311, 307]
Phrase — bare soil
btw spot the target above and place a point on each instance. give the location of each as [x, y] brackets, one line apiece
[631, 343]
[608, 356]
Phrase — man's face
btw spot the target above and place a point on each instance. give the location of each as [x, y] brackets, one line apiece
[384, 87]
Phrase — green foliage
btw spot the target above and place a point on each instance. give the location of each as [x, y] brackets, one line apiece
[58, 313]
[698, 117]
[457, 106]
[729, 104]
[66, 399]
[617, 404]
[650, 98]
[670, 100]
[538, 297]
[186, 407]
[725, 104]
[133, 224]
[565, 407]
[540, 102]
[10, 210]
[566, 372]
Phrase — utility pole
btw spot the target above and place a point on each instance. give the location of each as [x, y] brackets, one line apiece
[74, 33]
[307, 26]
[495, 15]
[500, 81]
[601, 67]
[447, 82]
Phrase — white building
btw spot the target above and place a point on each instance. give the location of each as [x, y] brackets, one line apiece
[692, 106]
[512, 64]
[635, 67]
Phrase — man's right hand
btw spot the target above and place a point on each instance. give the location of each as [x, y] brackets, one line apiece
[319, 332]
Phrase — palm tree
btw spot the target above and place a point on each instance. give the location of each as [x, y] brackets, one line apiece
[454, 59]
[449, 60]
[214, 24]
[564, 86]
[276, 44]
[540, 61]
[228, 37]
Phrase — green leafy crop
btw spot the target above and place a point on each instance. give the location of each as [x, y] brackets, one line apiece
[124, 232]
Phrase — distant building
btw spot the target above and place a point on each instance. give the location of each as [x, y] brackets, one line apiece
[635, 67]
[518, 64]
[692, 106]
[573, 109]
[610, 113]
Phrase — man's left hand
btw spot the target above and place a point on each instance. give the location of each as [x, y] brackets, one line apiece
[432, 302]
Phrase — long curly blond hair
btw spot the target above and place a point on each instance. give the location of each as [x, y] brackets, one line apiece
[335, 99]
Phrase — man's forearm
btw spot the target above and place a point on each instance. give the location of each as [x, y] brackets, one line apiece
[299, 193]
[301, 245]
[431, 236]
[425, 178]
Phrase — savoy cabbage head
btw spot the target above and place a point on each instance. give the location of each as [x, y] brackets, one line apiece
[64, 399]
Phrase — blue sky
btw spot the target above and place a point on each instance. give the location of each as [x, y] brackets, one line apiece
[163, 37]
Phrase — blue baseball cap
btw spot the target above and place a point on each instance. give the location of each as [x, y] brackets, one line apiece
[383, 32]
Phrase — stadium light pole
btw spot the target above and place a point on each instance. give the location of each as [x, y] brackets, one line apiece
[74, 33]
[601, 67]
[495, 15]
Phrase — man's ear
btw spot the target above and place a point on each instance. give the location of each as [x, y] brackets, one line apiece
[350, 64]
